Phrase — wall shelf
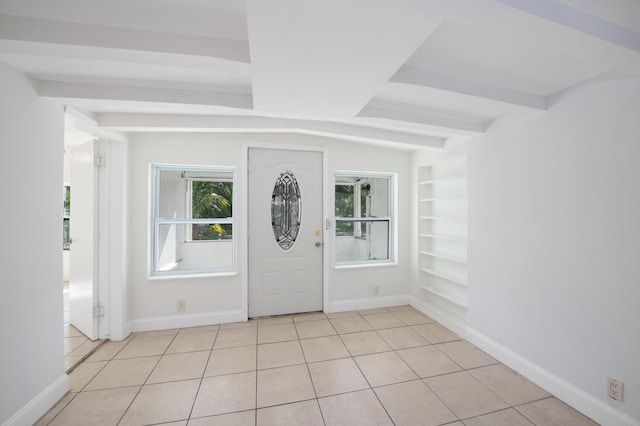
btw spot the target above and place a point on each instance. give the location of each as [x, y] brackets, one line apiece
[444, 237]
[448, 297]
[460, 218]
[442, 242]
[443, 180]
[450, 258]
[432, 200]
[445, 276]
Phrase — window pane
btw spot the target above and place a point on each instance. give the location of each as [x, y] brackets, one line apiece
[373, 245]
[344, 228]
[210, 199]
[379, 237]
[175, 253]
[344, 200]
[172, 193]
[211, 231]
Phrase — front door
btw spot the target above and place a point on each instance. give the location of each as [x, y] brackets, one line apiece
[285, 232]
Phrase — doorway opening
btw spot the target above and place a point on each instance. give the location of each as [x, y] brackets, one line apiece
[77, 345]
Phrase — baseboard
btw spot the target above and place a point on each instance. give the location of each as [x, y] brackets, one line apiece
[121, 334]
[184, 321]
[39, 405]
[582, 401]
[362, 304]
[561, 389]
[453, 326]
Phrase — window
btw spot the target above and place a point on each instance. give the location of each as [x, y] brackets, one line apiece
[66, 236]
[193, 220]
[363, 206]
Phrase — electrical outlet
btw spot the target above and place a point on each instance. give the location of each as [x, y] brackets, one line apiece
[182, 305]
[615, 389]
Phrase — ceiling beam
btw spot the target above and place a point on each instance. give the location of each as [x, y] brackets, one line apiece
[254, 124]
[438, 123]
[88, 125]
[426, 78]
[64, 90]
[571, 17]
[70, 33]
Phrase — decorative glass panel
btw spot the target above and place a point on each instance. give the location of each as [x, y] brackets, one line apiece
[285, 210]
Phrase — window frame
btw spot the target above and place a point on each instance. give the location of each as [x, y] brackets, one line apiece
[359, 220]
[156, 222]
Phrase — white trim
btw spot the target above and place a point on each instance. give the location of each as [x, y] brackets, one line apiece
[362, 304]
[364, 264]
[183, 321]
[327, 188]
[42, 403]
[246, 146]
[243, 230]
[102, 228]
[585, 403]
[245, 124]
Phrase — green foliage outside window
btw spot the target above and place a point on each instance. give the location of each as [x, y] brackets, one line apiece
[211, 200]
[344, 208]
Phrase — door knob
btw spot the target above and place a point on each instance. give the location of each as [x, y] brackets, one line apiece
[318, 243]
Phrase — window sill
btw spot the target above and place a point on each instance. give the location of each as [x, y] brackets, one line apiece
[186, 275]
[370, 264]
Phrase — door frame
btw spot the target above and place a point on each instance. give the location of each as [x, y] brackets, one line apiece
[111, 225]
[244, 217]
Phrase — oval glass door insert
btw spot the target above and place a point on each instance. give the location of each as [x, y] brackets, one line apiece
[285, 210]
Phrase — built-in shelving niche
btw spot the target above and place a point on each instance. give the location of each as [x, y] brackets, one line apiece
[442, 237]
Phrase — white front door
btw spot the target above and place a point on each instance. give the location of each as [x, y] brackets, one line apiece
[285, 232]
[83, 248]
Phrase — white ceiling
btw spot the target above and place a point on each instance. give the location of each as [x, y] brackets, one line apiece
[406, 73]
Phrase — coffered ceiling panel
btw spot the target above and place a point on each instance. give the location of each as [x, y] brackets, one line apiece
[407, 72]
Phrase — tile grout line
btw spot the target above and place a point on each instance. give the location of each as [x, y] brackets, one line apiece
[146, 379]
[195, 397]
[308, 364]
[255, 415]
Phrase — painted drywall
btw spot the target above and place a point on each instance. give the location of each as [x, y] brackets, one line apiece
[153, 302]
[32, 368]
[554, 238]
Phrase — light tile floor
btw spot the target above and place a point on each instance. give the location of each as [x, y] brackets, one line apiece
[383, 366]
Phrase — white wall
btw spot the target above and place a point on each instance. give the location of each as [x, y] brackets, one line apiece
[554, 239]
[154, 302]
[32, 368]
